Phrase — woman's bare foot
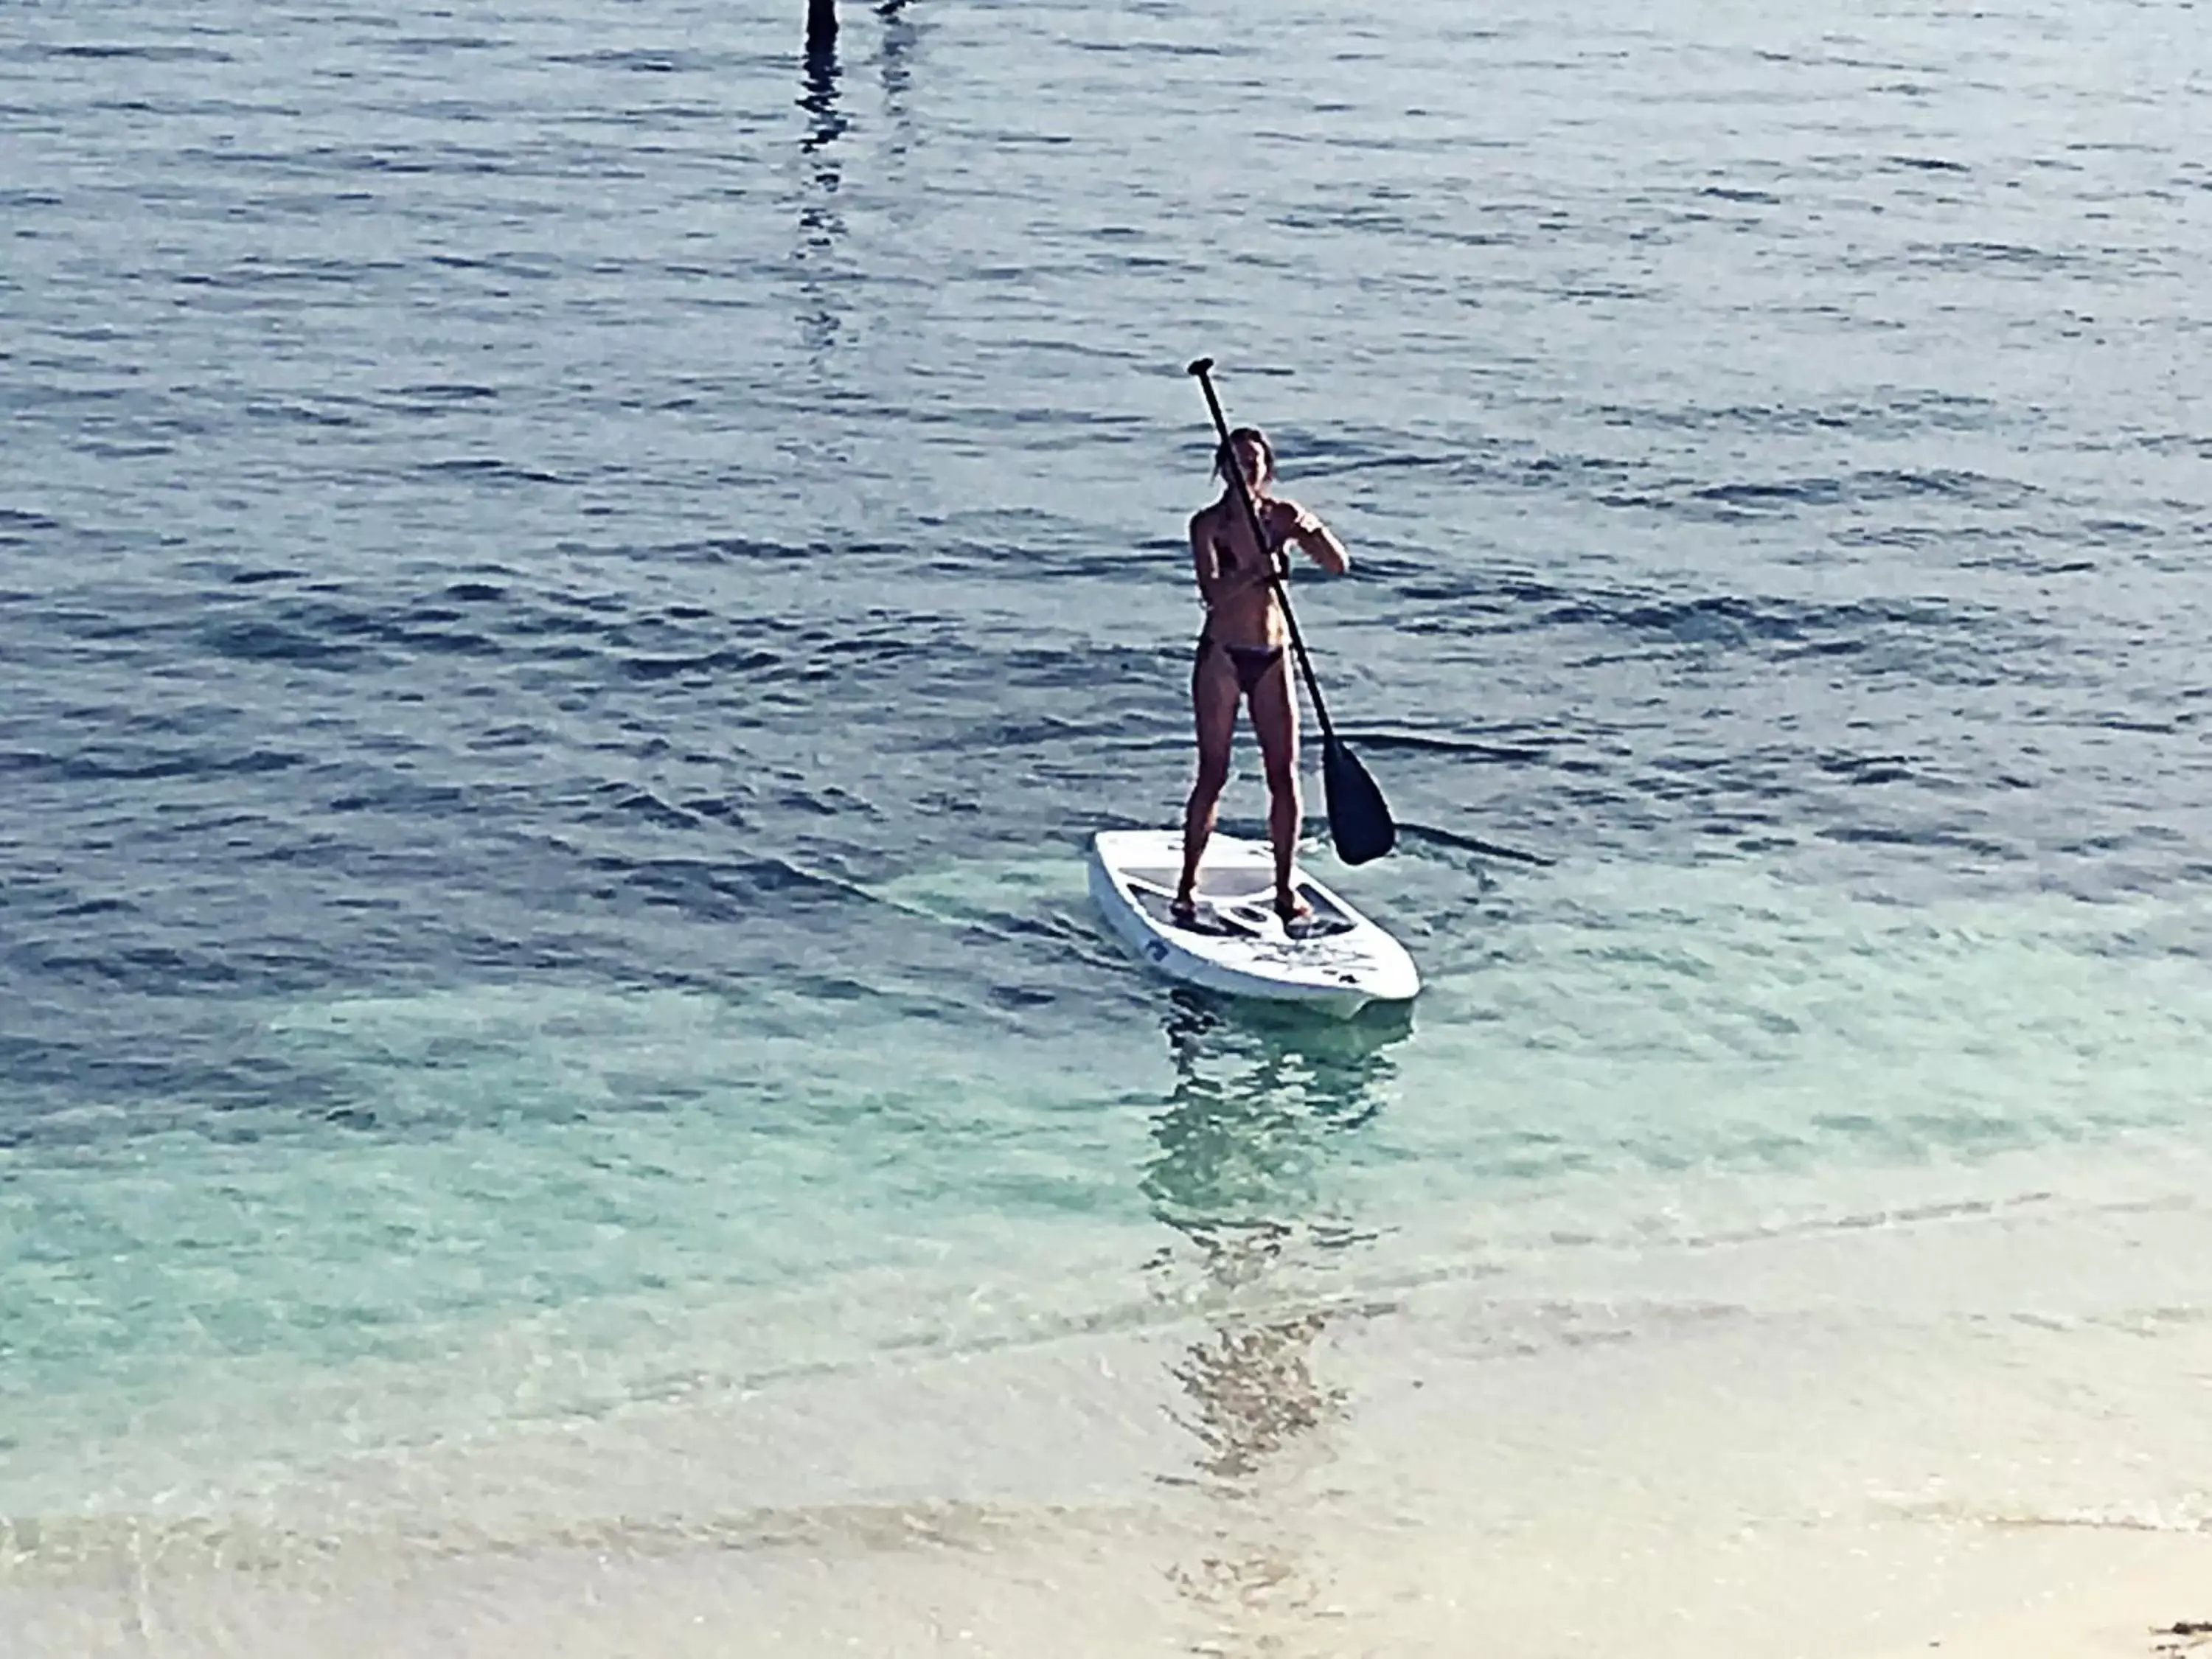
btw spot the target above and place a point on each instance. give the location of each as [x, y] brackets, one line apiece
[1290, 908]
[1183, 911]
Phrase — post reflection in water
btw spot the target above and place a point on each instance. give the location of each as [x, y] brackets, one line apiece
[820, 225]
[1242, 1145]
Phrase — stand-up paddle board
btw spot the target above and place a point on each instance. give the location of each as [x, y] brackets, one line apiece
[1335, 959]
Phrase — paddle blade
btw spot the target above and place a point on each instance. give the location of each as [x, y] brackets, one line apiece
[1359, 820]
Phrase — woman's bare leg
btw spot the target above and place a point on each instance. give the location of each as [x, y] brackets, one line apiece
[1214, 701]
[1275, 719]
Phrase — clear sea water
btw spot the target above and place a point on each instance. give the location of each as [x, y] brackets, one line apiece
[573, 582]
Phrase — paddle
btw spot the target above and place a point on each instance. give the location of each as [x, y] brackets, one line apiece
[1359, 820]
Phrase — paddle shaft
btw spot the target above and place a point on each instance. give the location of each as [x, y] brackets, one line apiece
[1203, 370]
[1360, 822]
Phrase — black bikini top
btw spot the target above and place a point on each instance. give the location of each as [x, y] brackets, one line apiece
[1228, 559]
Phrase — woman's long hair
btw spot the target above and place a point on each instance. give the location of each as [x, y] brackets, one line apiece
[1223, 457]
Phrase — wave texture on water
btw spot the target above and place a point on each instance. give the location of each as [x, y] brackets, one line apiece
[571, 585]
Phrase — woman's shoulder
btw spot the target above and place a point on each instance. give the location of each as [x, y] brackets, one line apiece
[1211, 519]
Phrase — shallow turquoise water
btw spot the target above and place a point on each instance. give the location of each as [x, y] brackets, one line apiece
[542, 1205]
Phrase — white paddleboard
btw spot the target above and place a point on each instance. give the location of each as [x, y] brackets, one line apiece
[1335, 959]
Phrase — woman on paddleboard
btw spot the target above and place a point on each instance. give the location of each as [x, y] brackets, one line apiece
[1241, 653]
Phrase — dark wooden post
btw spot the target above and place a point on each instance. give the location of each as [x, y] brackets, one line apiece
[821, 25]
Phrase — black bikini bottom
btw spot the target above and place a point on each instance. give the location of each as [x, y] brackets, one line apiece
[1250, 662]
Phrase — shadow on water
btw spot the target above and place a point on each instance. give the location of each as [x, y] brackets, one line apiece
[1240, 1172]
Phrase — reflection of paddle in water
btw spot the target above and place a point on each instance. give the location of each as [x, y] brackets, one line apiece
[1242, 1143]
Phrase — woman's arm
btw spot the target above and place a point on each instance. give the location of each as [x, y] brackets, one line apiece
[1215, 584]
[1295, 523]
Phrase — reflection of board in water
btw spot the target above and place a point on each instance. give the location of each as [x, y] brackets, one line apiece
[1243, 1141]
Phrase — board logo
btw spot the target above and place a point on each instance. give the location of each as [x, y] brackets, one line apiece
[1157, 951]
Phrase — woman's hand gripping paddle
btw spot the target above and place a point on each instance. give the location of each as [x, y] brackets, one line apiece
[1359, 821]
